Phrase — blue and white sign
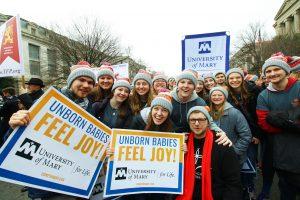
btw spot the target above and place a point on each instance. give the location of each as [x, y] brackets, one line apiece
[206, 53]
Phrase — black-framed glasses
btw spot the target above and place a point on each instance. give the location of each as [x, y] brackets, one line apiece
[199, 120]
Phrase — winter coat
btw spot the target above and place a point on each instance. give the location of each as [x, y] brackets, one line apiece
[9, 107]
[249, 109]
[139, 121]
[36, 95]
[234, 124]
[99, 108]
[286, 149]
[180, 110]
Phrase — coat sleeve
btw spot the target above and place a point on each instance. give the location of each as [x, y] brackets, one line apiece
[281, 119]
[262, 111]
[231, 175]
[137, 123]
[244, 133]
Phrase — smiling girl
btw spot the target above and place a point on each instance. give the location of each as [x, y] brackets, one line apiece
[115, 111]
[141, 94]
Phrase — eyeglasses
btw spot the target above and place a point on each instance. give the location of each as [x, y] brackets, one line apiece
[199, 120]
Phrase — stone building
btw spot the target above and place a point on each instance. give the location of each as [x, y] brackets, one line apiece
[39, 56]
[287, 19]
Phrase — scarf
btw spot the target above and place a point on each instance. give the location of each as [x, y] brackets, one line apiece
[189, 168]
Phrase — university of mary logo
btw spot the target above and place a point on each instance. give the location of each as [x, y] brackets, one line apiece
[204, 47]
[121, 173]
[27, 149]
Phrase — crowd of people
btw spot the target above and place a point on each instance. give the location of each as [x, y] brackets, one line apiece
[224, 116]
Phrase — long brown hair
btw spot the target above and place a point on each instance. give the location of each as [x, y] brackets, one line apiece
[216, 114]
[244, 93]
[136, 102]
[98, 93]
[166, 126]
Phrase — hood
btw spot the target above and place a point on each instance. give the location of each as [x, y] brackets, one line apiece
[174, 94]
[145, 114]
[291, 82]
[227, 106]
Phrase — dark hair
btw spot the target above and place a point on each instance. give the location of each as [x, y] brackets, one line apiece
[166, 126]
[98, 93]
[136, 103]
[244, 93]
[124, 107]
[9, 90]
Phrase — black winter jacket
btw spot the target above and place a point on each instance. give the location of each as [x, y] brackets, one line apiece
[99, 108]
[249, 109]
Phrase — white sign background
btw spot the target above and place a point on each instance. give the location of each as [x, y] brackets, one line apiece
[212, 62]
[122, 70]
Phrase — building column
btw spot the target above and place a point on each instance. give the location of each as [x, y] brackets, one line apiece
[297, 21]
[288, 25]
[281, 29]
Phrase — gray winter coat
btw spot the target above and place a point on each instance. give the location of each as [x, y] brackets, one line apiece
[235, 125]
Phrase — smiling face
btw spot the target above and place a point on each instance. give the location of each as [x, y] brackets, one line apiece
[185, 88]
[159, 115]
[121, 94]
[209, 83]
[159, 84]
[82, 86]
[142, 87]
[105, 82]
[217, 97]
[220, 78]
[199, 86]
[235, 80]
[198, 123]
[275, 74]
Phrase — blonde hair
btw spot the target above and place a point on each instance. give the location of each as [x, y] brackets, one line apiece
[216, 114]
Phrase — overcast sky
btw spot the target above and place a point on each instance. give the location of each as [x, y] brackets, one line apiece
[152, 28]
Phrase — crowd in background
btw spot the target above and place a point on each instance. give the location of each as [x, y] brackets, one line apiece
[246, 115]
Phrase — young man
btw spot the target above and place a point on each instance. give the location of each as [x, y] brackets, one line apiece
[220, 78]
[34, 88]
[280, 95]
[79, 84]
[211, 171]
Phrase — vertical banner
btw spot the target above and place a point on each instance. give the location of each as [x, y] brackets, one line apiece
[11, 59]
[61, 150]
[122, 70]
[206, 53]
[145, 162]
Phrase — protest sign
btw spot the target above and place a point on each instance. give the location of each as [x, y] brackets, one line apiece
[61, 150]
[11, 59]
[122, 70]
[206, 53]
[144, 161]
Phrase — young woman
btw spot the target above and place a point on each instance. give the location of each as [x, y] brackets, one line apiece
[231, 121]
[105, 82]
[200, 89]
[243, 96]
[115, 111]
[159, 82]
[209, 81]
[158, 119]
[142, 93]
